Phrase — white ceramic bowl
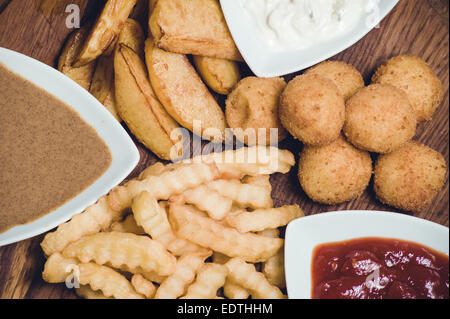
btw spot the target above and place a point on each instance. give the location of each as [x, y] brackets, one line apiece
[266, 63]
[305, 234]
[125, 155]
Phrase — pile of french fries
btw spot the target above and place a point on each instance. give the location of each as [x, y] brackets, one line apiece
[182, 230]
[151, 84]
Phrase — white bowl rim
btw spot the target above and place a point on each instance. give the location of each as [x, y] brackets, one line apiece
[265, 63]
[124, 152]
[297, 291]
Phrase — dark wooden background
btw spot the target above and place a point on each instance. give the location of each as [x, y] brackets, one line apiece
[37, 28]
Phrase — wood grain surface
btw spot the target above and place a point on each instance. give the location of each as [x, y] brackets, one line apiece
[37, 28]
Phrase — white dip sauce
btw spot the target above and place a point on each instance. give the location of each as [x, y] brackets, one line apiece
[299, 24]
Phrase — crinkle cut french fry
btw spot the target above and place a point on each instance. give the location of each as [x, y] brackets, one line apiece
[256, 160]
[209, 200]
[128, 225]
[259, 180]
[234, 291]
[143, 286]
[164, 186]
[153, 170]
[273, 268]
[86, 292]
[153, 219]
[123, 249]
[95, 218]
[187, 266]
[244, 195]
[210, 278]
[57, 269]
[261, 219]
[149, 275]
[246, 275]
[219, 258]
[211, 234]
[105, 279]
[105, 31]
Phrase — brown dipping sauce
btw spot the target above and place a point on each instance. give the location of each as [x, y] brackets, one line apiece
[48, 153]
[348, 270]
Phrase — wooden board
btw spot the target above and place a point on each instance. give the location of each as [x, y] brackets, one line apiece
[417, 27]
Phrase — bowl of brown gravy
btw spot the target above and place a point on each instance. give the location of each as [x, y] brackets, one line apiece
[60, 149]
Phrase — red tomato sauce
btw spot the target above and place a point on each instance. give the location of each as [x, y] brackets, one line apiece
[376, 268]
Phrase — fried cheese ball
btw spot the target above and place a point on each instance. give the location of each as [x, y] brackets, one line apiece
[414, 76]
[312, 109]
[346, 77]
[253, 105]
[335, 173]
[410, 178]
[379, 118]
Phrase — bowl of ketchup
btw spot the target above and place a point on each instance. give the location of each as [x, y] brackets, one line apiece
[366, 255]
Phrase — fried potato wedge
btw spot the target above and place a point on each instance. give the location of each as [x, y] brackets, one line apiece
[138, 106]
[133, 37]
[182, 92]
[102, 85]
[82, 75]
[219, 74]
[105, 31]
[192, 27]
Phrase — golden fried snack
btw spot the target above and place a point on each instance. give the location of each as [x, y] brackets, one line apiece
[143, 286]
[164, 186]
[219, 74]
[208, 233]
[346, 77]
[86, 292]
[246, 275]
[379, 118]
[252, 111]
[261, 219]
[192, 27]
[109, 282]
[410, 178]
[183, 94]
[210, 278]
[234, 291]
[186, 269]
[95, 218]
[153, 170]
[138, 106]
[273, 268]
[414, 76]
[335, 173]
[219, 258]
[102, 85]
[259, 180]
[153, 219]
[243, 195]
[133, 37]
[153, 277]
[312, 109]
[128, 225]
[106, 29]
[57, 268]
[209, 201]
[120, 249]
[257, 160]
[82, 75]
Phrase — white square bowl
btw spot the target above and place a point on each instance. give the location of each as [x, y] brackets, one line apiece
[125, 155]
[266, 63]
[305, 234]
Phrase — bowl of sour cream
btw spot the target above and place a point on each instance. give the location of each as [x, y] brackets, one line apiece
[278, 37]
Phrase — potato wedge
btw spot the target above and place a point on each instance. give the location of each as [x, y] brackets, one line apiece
[102, 85]
[133, 37]
[82, 75]
[192, 27]
[182, 92]
[106, 29]
[138, 106]
[219, 74]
